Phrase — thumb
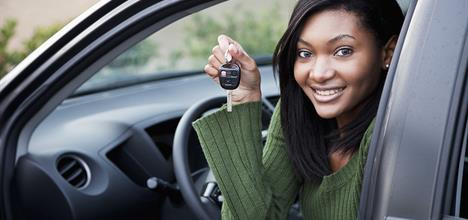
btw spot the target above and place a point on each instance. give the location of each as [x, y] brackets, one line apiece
[241, 56]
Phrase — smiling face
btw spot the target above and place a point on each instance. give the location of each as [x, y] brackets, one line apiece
[337, 64]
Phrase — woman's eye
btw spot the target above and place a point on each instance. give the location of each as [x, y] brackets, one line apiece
[304, 54]
[343, 52]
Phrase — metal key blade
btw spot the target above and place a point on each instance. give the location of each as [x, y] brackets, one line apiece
[229, 100]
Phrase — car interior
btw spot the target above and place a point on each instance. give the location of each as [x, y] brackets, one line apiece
[106, 150]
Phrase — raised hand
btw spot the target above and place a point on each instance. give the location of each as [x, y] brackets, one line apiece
[249, 87]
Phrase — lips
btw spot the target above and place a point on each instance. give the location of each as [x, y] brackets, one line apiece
[327, 94]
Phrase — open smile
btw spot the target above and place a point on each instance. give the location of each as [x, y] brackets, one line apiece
[327, 95]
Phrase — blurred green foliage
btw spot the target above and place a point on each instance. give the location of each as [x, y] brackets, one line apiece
[257, 32]
[7, 59]
[138, 55]
[10, 58]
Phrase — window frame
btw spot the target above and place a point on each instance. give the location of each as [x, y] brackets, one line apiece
[57, 68]
[400, 165]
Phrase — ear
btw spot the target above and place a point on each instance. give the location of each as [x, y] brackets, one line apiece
[387, 51]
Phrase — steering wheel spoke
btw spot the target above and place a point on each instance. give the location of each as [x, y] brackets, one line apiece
[200, 191]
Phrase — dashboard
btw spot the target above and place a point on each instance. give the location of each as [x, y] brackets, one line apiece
[92, 156]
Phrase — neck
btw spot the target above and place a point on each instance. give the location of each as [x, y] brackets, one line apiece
[338, 160]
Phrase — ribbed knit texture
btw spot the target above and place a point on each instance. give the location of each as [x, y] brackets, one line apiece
[258, 182]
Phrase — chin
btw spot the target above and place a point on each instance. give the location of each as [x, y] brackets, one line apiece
[326, 114]
[326, 111]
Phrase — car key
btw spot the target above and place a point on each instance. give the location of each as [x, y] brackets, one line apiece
[229, 78]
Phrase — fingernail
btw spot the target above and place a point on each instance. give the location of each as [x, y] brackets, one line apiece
[233, 49]
[221, 37]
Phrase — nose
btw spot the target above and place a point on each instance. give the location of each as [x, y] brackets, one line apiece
[321, 70]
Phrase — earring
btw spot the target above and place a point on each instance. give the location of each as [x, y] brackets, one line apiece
[387, 66]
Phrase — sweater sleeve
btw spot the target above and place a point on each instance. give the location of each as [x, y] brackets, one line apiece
[256, 182]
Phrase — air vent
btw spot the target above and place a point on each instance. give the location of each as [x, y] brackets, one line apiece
[74, 170]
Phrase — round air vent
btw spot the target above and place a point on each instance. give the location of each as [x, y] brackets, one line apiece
[74, 170]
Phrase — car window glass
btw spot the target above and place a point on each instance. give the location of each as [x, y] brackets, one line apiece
[184, 46]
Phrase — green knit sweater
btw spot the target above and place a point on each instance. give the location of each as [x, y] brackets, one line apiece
[258, 182]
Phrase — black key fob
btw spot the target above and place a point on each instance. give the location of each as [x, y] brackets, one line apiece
[229, 76]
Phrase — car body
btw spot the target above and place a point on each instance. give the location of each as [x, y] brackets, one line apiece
[119, 138]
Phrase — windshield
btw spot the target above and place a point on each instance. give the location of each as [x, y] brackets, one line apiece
[183, 47]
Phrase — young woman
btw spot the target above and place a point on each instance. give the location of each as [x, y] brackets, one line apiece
[332, 62]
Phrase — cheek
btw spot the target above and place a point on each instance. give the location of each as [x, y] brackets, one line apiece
[363, 73]
[362, 80]
[300, 73]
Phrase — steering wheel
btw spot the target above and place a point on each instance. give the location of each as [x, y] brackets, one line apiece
[204, 207]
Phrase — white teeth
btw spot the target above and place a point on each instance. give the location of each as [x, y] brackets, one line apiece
[328, 92]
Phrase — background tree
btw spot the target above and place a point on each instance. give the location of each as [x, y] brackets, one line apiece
[10, 58]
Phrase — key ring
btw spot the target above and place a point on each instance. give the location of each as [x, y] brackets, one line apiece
[227, 56]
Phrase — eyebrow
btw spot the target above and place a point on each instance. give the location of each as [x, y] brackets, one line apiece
[340, 37]
[333, 40]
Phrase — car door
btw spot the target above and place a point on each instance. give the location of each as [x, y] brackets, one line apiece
[65, 61]
[56, 69]
[415, 163]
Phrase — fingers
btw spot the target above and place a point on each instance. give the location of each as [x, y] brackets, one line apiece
[211, 70]
[223, 42]
[216, 51]
[229, 47]
[236, 51]
[242, 57]
[214, 62]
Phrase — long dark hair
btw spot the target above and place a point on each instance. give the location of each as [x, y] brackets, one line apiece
[309, 138]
